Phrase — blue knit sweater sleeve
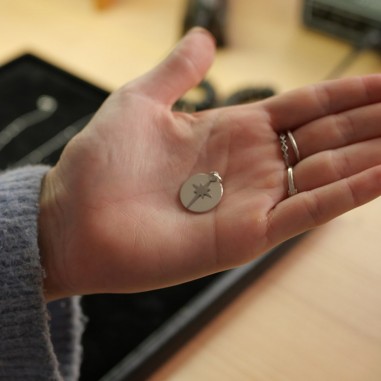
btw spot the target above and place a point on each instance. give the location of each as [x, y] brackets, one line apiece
[37, 342]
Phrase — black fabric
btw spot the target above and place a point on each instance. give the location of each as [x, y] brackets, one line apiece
[22, 82]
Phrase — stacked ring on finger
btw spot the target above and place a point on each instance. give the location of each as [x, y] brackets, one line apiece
[292, 190]
[293, 145]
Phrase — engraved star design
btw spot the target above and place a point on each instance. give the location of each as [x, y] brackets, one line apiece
[202, 190]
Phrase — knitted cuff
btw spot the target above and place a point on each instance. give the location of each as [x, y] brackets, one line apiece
[26, 349]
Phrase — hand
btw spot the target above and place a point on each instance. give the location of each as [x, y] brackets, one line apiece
[111, 219]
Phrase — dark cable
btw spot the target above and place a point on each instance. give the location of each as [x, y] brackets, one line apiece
[207, 101]
[371, 40]
[344, 63]
[248, 95]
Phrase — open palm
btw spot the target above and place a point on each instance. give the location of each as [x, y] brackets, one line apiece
[111, 216]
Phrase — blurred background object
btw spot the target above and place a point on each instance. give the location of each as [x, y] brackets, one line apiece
[209, 14]
[103, 4]
[356, 21]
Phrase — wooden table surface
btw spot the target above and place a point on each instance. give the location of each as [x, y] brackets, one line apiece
[315, 315]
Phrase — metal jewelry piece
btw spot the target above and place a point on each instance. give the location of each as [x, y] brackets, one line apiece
[201, 192]
[291, 185]
[294, 145]
[46, 106]
[284, 148]
[54, 144]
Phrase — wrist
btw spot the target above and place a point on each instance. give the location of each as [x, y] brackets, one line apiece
[50, 237]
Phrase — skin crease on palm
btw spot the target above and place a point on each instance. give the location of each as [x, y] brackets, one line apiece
[111, 219]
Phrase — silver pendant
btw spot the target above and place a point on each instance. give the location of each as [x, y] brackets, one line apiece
[202, 192]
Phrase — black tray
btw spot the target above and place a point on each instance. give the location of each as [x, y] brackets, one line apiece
[127, 336]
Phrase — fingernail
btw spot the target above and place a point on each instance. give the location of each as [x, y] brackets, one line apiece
[199, 29]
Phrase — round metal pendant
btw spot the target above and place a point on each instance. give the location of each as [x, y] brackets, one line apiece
[201, 192]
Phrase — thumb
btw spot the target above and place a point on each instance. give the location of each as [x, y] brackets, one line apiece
[183, 69]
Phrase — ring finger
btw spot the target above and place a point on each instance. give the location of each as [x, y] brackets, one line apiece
[330, 166]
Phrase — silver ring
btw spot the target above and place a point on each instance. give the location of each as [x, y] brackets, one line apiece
[291, 185]
[284, 148]
[293, 145]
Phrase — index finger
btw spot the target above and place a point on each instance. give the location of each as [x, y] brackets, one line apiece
[298, 107]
